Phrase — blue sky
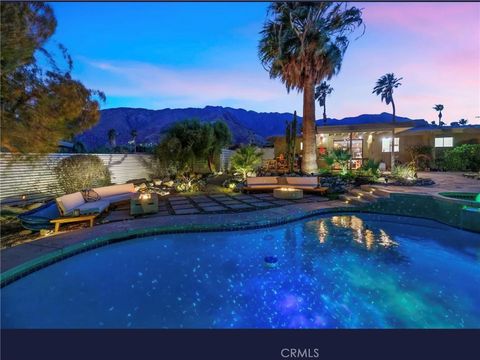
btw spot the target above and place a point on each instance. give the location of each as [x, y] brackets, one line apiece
[169, 55]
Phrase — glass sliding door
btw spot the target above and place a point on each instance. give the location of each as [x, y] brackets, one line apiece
[357, 150]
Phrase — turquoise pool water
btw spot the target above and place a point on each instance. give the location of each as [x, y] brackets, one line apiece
[343, 271]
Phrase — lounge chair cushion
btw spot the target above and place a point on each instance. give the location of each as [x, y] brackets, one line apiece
[262, 180]
[304, 181]
[265, 186]
[68, 203]
[95, 207]
[117, 198]
[106, 191]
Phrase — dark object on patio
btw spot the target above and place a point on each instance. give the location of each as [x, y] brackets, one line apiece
[137, 182]
[39, 218]
[144, 204]
[271, 261]
[90, 195]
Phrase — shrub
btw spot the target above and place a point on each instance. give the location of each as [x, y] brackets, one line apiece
[462, 158]
[421, 155]
[246, 160]
[370, 168]
[340, 157]
[190, 183]
[404, 172]
[80, 172]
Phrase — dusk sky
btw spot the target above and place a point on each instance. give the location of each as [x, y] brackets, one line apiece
[174, 55]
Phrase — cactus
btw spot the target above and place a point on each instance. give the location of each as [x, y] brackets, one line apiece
[291, 140]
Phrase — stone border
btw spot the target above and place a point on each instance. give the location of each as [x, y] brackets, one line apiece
[28, 267]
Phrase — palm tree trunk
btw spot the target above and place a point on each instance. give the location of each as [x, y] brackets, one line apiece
[309, 159]
[392, 151]
[325, 111]
[210, 163]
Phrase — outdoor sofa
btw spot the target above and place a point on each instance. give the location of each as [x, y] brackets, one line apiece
[266, 183]
[67, 204]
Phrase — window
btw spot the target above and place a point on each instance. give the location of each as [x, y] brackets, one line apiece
[387, 145]
[444, 142]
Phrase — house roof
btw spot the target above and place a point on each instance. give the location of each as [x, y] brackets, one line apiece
[438, 130]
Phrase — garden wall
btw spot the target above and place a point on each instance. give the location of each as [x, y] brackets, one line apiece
[33, 175]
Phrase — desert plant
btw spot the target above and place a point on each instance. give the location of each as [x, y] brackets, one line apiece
[420, 155]
[439, 108]
[222, 137]
[303, 43]
[384, 87]
[321, 92]
[291, 140]
[79, 172]
[405, 171]
[245, 160]
[189, 183]
[185, 143]
[340, 157]
[369, 168]
[464, 157]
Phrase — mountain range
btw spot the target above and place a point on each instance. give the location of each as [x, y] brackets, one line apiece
[245, 125]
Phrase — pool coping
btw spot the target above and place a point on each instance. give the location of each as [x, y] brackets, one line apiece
[297, 213]
[57, 254]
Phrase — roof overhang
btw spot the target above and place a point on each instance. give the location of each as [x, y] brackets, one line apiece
[372, 127]
[445, 131]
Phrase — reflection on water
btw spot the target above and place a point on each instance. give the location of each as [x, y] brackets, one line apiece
[361, 233]
[361, 271]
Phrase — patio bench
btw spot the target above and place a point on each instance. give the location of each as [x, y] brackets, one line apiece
[266, 183]
[65, 220]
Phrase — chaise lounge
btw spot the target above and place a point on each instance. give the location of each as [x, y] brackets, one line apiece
[67, 204]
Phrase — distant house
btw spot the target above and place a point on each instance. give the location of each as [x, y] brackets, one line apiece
[369, 137]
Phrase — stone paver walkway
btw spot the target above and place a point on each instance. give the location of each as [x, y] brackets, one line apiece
[444, 181]
[215, 203]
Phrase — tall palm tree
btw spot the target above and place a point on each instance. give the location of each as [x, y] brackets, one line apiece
[384, 87]
[321, 92]
[439, 108]
[302, 44]
[112, 138]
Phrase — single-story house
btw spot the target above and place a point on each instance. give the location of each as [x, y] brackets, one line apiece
[369, 137]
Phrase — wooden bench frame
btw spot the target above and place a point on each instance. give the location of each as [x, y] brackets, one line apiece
[66, 220]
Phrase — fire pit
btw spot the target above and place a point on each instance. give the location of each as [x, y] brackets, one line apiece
[287, 193]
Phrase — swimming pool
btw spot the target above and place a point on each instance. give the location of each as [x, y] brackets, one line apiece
[342, 271]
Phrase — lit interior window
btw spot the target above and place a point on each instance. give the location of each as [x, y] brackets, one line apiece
[444, 142]
[387, 145]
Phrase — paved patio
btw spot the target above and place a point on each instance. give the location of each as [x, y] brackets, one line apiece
[215, 203]
[444, 181]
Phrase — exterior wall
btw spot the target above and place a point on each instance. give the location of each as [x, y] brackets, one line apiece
[372, 143]
[280, 145]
